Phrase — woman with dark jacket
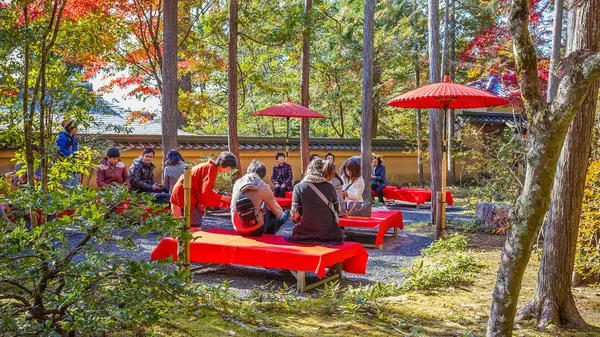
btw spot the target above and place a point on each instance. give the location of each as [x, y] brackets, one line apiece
[112, 172]
[281, 177]
[378, 180]
[316, 219]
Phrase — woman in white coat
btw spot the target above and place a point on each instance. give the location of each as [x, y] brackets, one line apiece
[354, 185]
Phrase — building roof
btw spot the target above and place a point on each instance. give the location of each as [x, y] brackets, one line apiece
[196, 142]
[111, 120]
[492, 117]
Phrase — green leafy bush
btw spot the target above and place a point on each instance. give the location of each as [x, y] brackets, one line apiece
[61, 278]
[452, 243]
[445, 270]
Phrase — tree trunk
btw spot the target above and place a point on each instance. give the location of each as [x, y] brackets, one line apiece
[444, 68]
[553, 302]
[304, 127]
[451, 66]
[548, 128]
[417, 79]
[435, 115]
[366, 139]
[376, 96]
[232, 98]
[28, 114]
[170, 87]
[556, 45]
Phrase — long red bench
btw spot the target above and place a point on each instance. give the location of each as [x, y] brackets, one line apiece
[382, 221]
[219, 246]
[417, 196]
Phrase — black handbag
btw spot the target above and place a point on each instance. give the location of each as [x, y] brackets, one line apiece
[358, 209]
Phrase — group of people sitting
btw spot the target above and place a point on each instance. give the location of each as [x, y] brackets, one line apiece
[318, 199]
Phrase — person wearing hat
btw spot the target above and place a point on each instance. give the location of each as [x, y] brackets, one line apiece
[67, 148]
[66, 142]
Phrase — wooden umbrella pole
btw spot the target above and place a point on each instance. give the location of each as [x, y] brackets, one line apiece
[441, 197]
[187, 197]
[287, 137]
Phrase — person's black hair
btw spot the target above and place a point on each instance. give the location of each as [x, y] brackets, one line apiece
[174, 158]
[258, 167]
[330, 154]
[279, 154]
[313, 156]
[148, 150]
[226, 159]
[113, 153]
[378, 160]
[36, 148]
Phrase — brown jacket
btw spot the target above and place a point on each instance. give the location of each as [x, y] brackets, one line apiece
[107, 175]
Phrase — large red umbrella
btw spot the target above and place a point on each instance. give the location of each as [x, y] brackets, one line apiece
[446, 95]
[288, 110]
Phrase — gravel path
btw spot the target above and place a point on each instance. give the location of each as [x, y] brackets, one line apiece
[383, 265]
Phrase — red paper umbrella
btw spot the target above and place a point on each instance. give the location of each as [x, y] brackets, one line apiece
[288, 109]
[447, 95]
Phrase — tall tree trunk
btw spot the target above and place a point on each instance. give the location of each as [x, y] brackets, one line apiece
[417, 84]
[556, 45]
[170, 87]
[366, 139]
[436, 116]
[304, 127]
[553, 302]
[376, 96]
[444, 68]
[28, 114]
[232, 97]
[451, 66]
[548, 128]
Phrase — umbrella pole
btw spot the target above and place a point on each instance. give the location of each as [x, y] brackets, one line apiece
[441, 226]
[287, 137]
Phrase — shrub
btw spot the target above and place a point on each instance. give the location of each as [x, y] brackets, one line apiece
[61, 278]
[452, 243]
[444, 271]
[587, 260]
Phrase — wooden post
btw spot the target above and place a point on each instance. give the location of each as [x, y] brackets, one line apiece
[187, 197]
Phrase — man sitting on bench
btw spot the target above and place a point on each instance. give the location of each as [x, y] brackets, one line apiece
[254, 210]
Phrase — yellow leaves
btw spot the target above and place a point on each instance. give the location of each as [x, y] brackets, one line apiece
[587, 260]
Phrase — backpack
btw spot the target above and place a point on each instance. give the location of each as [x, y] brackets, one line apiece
[246, 211]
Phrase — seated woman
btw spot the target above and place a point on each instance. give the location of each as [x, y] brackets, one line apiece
[354, 185]
[254, 210]
[112, 172]
[174, 167]
[378, 181]
[281, 177]
[315, 206]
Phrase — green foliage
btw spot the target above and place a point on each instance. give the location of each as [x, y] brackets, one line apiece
[452, 243]
[60, 276]
[497, 161]
[587, 260]
[444, 270]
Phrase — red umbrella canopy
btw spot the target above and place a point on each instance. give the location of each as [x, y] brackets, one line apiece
[288, 109]
[455, 96]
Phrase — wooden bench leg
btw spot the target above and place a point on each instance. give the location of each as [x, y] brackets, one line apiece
[301, 285]
[395, 232]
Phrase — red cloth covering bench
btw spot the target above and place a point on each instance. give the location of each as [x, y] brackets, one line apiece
[415, 195]
[383, 221]
[284, 202]
[289, 194]
[222, 246]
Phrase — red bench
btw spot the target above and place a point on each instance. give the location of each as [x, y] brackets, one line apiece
[284, 202]
[413, 195]
[383, 221]
[269, 251]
